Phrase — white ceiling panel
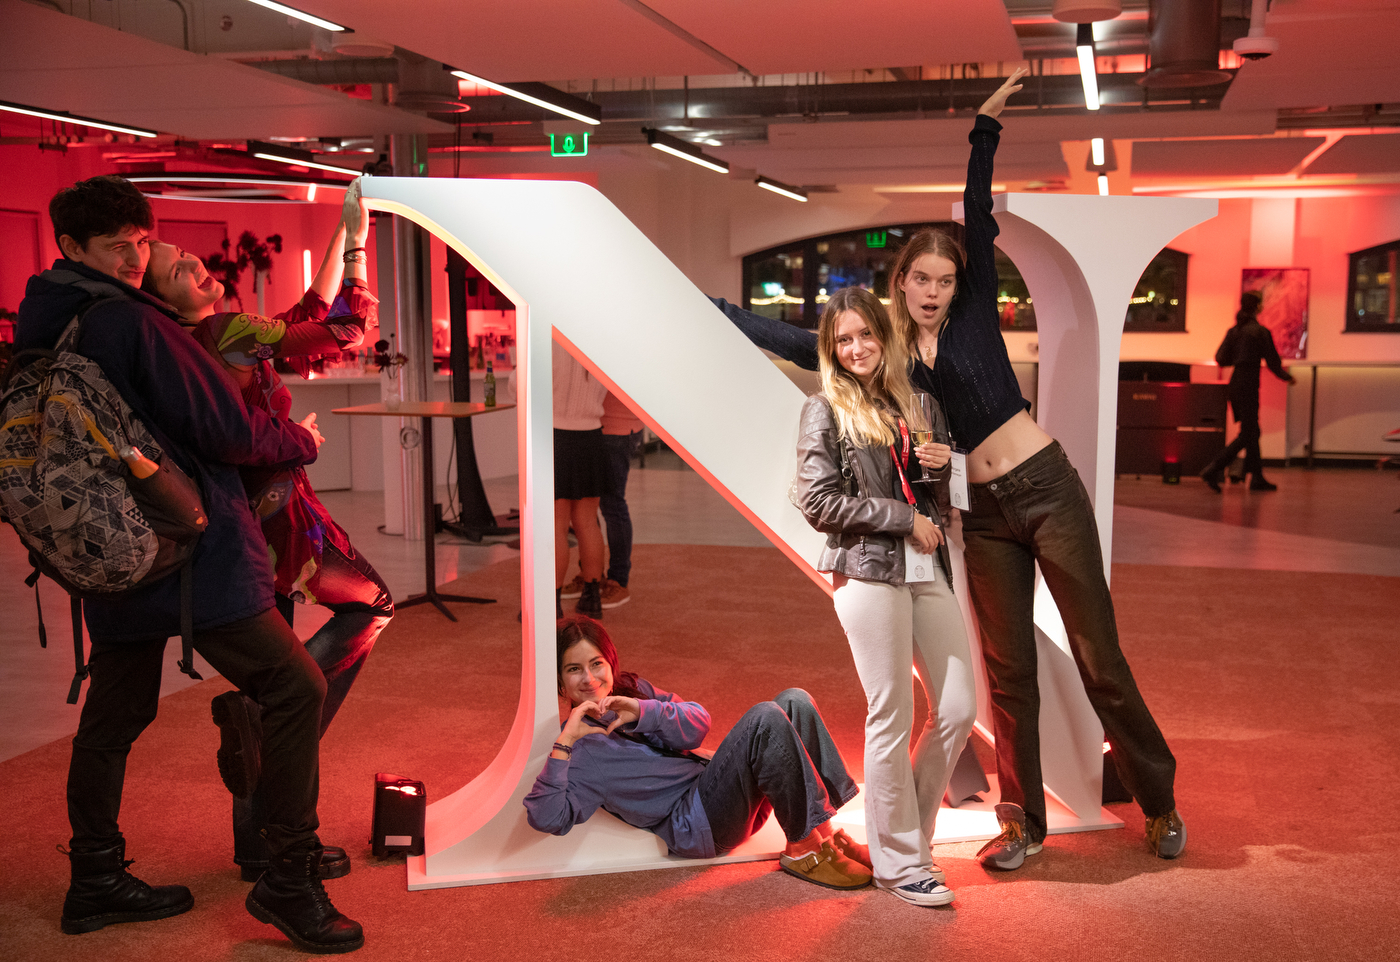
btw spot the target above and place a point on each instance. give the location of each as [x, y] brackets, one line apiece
[1329, 54]
[59, 62]
[1373, 154]
[1221, 158]
[524, 40]
[796, 36]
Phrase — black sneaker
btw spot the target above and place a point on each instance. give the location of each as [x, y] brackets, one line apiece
[590, 602]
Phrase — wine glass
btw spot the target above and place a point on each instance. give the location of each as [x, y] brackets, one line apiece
[921, 427]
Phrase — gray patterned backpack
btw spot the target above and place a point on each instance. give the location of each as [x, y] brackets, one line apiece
[88, 521]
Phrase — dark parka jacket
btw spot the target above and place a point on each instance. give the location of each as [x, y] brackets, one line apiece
[864, 525]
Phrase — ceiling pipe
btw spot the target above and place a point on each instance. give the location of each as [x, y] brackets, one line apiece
[375, 70]
[1184, 44]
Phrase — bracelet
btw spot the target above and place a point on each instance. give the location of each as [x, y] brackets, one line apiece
[351, 250]
[356, 256]
[566, 749]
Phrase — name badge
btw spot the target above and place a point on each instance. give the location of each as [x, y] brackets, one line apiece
[957, 482]
[918, 567]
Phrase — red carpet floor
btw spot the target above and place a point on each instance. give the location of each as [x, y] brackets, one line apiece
[1279, 693]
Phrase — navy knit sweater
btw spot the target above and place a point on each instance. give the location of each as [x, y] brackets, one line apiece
[972, 377]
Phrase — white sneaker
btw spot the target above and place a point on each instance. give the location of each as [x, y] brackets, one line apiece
[929, 892]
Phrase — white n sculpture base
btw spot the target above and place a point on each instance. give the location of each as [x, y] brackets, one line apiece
[605, 292]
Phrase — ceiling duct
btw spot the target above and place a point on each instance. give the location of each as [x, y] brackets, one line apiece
[1184, 44]
[426, 87]
[378, 70]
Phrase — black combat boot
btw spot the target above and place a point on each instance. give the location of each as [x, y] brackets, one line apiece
[290, 896]
[104, 893]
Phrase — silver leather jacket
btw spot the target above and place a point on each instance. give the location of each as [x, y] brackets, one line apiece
[848, 499]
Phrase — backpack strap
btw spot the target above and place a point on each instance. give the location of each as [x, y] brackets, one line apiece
[80, 665]
[33, 582]
[186, 662]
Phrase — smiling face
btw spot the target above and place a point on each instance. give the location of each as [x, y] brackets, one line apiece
[122, 255]
[584, 674]
[181, 280]
[858, 350]
[929, 286]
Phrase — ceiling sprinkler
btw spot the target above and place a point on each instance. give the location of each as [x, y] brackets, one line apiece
[1256, 46]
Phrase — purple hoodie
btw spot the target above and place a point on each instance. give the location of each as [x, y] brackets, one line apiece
[632, 780]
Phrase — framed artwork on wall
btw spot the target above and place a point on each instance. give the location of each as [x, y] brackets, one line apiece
[1284, 306]
[1371, 301]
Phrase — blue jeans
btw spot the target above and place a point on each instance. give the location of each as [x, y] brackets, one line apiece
[1039, 512]
[779, 758]
[617, 462]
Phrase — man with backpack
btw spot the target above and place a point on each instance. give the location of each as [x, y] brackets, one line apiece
[197, 418]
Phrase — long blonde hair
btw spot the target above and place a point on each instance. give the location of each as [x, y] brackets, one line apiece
[859, 416]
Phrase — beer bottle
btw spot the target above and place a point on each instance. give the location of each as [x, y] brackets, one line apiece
[490, 386]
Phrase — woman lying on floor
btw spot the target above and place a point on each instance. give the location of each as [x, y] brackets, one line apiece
[627, 747]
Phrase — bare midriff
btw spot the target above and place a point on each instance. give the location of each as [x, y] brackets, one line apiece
[1005, 448]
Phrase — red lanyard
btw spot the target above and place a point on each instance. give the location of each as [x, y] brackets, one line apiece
[898, 466]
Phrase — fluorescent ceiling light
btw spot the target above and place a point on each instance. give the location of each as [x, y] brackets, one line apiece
[1084, 47]
[541, 95]
[294, 157]
[685, 151]
[767, 183]
[1097, 146]
[300, 15]
[1103, 185]
[62, 116]
[203, 178]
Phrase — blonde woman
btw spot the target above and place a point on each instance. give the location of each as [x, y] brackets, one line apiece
[854, 484]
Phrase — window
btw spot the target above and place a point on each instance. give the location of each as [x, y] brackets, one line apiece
[1371, 301]
[778, 283]
[1159, 300]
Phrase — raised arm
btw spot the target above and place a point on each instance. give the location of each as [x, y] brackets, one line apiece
[778, 337]
[349, 234]
[981, 226]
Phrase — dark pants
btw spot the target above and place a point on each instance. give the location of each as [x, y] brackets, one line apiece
[262, 657]
[779, 758]
[617, 462]
[1040, 512]
[352, 589]
[1246, 411]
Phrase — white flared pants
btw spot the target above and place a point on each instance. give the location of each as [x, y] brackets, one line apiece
[892, 630]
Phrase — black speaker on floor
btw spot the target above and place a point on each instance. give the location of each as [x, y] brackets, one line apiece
[400, 812]
[1113, 790]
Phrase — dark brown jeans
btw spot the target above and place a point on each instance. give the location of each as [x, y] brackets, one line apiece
[1040, 512]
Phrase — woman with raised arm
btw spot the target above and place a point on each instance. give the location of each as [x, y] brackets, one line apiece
[856, 483]
[629, 748]
[313, 559]
[1028, 506]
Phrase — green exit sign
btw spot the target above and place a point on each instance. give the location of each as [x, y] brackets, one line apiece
[568, 145]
